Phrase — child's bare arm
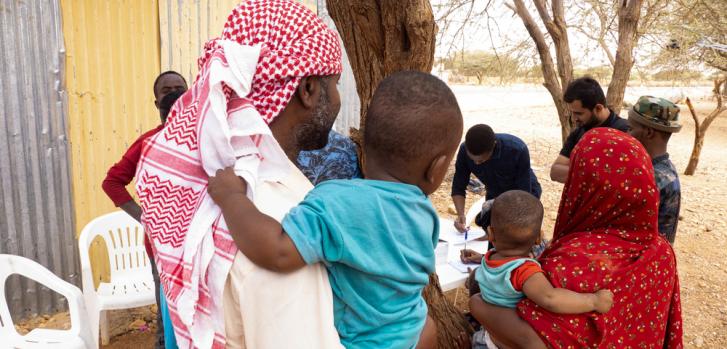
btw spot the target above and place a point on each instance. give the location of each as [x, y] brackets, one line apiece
[260, 237]
[563, 301]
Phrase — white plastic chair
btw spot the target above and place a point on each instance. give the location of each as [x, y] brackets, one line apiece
[474, 210]
[132, 283]
[78, 336]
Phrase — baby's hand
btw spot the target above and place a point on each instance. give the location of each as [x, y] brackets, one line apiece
[604, 301]
[224, 184]
[470, 256]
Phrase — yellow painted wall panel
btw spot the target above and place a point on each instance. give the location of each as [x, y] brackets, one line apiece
[112, 59]
[185, 26]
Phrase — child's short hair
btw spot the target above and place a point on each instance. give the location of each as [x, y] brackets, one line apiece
[412, 115]
[517, 217]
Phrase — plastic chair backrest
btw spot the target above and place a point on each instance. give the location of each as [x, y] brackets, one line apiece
[475, 209]
[10, 264]
[124, 238]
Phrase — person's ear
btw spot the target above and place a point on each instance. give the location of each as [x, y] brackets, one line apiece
[308, 91]
[435, 169]
[650, 132]
[490, 234]
[156, 103]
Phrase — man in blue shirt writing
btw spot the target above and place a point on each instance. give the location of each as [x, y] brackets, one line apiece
[500, 161]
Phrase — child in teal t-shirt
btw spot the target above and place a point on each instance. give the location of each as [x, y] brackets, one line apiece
[376, 236]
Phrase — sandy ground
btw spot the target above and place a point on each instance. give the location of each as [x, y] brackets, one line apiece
[527, 112]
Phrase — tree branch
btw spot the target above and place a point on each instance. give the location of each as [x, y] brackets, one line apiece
[694, 113]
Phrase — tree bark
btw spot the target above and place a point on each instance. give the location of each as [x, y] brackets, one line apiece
[628, 23]
[383, 37]
[700, 128]
[550, 76]
[453, 330]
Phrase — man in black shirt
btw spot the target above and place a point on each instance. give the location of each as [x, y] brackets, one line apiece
[587, 105]
[501, 161]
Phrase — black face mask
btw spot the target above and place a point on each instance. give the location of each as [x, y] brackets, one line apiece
[167, 102]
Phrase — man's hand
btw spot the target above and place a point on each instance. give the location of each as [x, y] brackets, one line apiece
[461, 223]
[469, 256]
[225, 183]
[604, 301]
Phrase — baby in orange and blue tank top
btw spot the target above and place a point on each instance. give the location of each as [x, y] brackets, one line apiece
[508, 272]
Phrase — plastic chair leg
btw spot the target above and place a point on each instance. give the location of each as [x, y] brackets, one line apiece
[93, 317]
[104, 322]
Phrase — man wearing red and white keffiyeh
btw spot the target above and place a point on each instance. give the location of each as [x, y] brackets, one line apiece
[266, 90]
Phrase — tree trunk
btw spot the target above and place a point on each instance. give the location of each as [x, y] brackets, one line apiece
[383, 37]
[700, 128]
[550, 76]
[696, 152]
[628, 23]
[453, 330]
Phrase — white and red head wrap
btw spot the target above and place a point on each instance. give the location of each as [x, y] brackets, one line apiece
[246, 78]
[293, 42]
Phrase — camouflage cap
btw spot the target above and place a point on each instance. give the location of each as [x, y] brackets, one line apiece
[657, 113]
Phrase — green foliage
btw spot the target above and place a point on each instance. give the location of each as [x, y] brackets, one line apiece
[481, 65]
[600, 73]
[696, 32]
[677, 74]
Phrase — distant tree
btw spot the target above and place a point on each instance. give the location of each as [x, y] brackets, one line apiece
[681, 74]
[481, 65]
[698, 36]
[557, 75]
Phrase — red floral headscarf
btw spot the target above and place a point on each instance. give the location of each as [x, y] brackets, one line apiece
[606, 238]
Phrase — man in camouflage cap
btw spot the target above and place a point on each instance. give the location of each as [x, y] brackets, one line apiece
[652, 120]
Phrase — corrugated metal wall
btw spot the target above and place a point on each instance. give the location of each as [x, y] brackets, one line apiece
[36, 218]
[185, 26]
[350, 114]
[112, 59]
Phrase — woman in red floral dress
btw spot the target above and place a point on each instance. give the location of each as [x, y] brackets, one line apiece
[605, 237]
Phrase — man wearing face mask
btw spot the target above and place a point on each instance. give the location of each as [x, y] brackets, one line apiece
[168, 86]
[587, 104]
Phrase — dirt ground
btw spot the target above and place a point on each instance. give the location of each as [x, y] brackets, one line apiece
[527, 112]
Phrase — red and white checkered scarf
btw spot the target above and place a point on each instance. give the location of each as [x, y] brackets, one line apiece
[246, 78]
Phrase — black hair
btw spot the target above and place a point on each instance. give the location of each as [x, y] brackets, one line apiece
[156, 81]
[480, 139]
[165, 105]
[517, 217]
[587, 90]
[412, 116]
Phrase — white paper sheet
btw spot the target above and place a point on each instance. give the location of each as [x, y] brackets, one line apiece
[447, 232]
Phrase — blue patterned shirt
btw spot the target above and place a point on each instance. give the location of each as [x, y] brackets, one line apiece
[337, 160]
[667, 180]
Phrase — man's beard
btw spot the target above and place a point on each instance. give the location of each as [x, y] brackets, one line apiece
[592, 122]
[314, 134]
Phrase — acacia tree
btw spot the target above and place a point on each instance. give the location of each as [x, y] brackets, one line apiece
[700, 127]
[383, 37]
[698, 37]
[557, 78]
